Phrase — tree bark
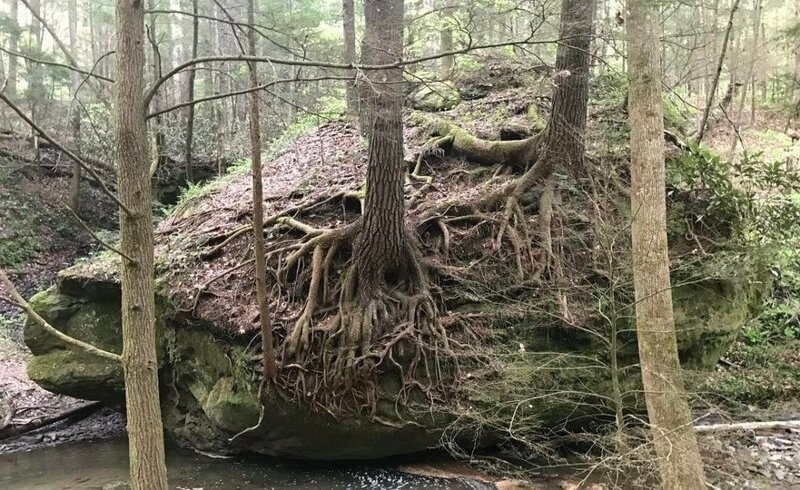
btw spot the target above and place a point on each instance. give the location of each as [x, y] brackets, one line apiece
[674, 439]
[380, 252]
[13, 45]
[74, 199]
[145, 432]
[349, 33]
[567, 125]
[446, 45]
[380, 46]
[269, 367]
[190, 97]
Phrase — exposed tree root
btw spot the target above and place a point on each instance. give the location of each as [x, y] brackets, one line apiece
[518, 154]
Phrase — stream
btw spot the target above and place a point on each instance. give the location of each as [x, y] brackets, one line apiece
[104, 465]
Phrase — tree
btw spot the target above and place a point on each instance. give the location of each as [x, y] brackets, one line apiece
[382, 252]
[670, 419]
[145, 432]
[269, 367]
[349, 35]
[13, 45]
[35, 75]
[715, 80]
[446, 42]
[75, 117]
[384, 284]
[190, 97]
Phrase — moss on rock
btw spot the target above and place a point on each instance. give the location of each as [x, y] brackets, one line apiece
[435, 97]
[78, 375]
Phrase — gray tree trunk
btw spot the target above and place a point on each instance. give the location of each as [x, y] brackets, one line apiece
[679, 461]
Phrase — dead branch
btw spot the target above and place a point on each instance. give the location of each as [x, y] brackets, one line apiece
[771, 425]
[20, 301]
[66, 151]
[80, 411]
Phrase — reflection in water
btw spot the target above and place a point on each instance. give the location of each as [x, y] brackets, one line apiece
[95, 465]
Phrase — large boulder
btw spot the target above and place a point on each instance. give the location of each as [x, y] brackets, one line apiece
[209, 395]
[498, 350]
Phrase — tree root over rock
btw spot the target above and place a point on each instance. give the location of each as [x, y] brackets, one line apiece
[349, 322]
[374, 327]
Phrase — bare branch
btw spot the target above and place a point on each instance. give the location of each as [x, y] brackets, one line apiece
[65, 151]
[321, 64]
[20, 301]
[242, 92]
[99, 240]
[54, 63]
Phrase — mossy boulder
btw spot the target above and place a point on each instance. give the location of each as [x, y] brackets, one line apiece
[435, 97]
[209, 395]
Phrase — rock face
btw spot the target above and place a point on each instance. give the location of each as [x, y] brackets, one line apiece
[208, 396]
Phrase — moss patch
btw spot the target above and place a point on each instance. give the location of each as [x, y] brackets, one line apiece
[435, 97]
[78, 375]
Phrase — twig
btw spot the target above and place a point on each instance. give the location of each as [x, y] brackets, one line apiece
[99, 240]
[66, 151]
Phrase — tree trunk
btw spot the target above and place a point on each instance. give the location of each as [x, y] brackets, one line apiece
[13, 45]
[446, 44]
[145, 432]
[35, 75]
[187, 159]
[567, 125]
[349, 32]
[380, 252]
[670, 420]
[159, 139]
[220, 124]
[715, 81]
[749, 81]
[269, 367]
[74, 199]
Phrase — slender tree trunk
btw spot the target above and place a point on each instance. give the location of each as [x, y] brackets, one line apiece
[159, 139]
[445, 45]
[349, 32]
[749, 80]
[673, 435]
[187, 160]
[35, 76]
[219, 108]
[269, 366]
[714, 45]
[796, 80]
[145, 432]
[715, 80]
[74, 199]
[13, 45]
